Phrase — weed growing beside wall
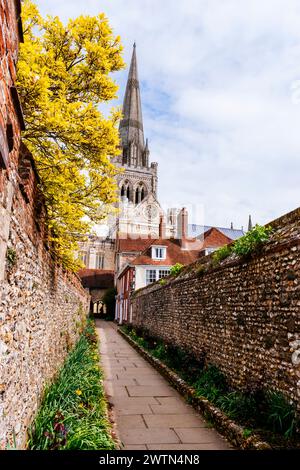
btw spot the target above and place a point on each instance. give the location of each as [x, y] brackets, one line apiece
[73, 411]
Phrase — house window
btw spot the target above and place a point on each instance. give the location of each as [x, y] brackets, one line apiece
[99, 261]
[83, 257]
[158, 252]
[163, 273]
[150, 276]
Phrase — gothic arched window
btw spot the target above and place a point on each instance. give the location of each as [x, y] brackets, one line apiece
[140, 193]
[126, 190]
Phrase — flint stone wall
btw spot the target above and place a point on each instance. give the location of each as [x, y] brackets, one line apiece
[243, 315]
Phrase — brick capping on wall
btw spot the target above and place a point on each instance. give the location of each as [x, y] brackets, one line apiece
[243, 314]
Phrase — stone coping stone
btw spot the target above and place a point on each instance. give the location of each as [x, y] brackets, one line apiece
[232, 431]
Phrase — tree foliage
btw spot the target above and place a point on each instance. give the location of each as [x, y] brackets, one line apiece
[63, 77]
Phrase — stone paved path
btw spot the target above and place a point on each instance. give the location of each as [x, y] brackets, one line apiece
[149, 413]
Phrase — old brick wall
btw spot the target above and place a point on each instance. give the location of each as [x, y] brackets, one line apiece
[244, 315]
[42, 307]
[11, 120]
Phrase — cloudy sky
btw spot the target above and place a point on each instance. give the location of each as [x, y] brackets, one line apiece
[220, 84]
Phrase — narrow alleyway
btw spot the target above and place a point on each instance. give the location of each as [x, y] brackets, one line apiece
[149, 413]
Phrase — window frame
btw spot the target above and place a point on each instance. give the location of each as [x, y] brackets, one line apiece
[149, 276]
[166, 272]
[159, 250]
[99, 256]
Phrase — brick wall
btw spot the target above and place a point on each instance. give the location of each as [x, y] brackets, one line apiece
[11, 120]
[42, 307]
[244, 315]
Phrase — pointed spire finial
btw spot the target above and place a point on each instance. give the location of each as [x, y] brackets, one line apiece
[250, 225]
[131, 126]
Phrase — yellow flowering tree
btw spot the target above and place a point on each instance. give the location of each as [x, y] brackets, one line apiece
[63, 78]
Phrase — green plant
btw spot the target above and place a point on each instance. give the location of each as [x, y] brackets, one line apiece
[221, 254]
[211, 383]
[252, 241]
[238, 405]
[160, 351]
[162, 282]
[247, 433]
[11, 256]
[280, 415]
[176, 269]
[73, 411]
[200, 270]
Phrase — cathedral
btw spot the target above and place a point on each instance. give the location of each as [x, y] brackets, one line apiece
[139, 217]
[139, 212]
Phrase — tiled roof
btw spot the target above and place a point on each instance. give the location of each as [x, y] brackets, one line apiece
[175, 254]
[96, 278]
[128, 245]
[214, 238]
[197, 230]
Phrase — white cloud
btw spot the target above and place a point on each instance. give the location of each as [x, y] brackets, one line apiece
[217, 88]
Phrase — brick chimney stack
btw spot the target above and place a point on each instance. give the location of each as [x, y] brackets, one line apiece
[183, 228]
[162, 227]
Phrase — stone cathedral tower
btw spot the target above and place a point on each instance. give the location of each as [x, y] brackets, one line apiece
[139, 209]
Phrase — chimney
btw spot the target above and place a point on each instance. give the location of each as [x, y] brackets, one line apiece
[162, 227]
[183, 228]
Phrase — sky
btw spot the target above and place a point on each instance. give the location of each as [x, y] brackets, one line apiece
[220, 84]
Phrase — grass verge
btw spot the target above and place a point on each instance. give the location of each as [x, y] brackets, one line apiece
[263, 412]
[73, 412]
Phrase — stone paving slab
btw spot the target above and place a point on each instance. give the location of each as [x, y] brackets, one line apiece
[132, 421]
[209, 446]
[197, 436]
[171, 409]
[148, 436]
[149, 413]
[118, 401]
[174, 421]
[150, 391]
[133, 410]
[149, 380]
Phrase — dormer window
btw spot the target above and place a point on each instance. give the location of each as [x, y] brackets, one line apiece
[159, 252]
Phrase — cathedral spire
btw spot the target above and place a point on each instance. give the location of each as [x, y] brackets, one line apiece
[131, 126]
[250, 225]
